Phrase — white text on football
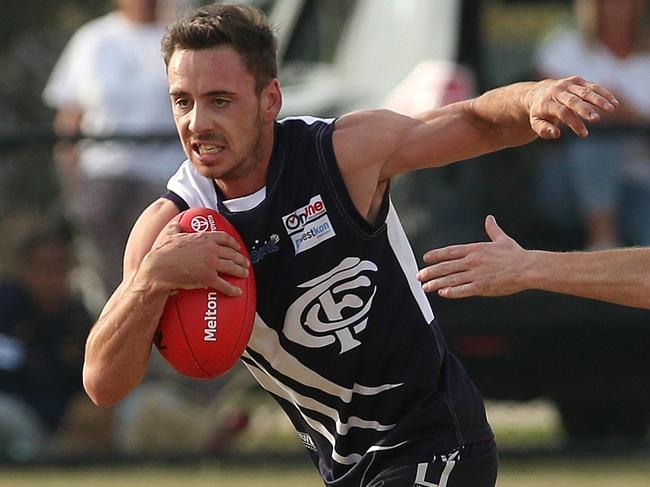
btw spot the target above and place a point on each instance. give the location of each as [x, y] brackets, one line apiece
[210, 318]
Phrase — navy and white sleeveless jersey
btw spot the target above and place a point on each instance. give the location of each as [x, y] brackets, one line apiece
[344, 338]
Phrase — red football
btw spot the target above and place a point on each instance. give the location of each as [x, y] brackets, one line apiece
[202, 333]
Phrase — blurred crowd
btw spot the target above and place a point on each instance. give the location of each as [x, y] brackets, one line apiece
[108, 85]
[603, 182]
[109, 81]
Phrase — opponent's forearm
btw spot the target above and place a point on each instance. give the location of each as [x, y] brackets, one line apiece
[119, 345]
[619, 276]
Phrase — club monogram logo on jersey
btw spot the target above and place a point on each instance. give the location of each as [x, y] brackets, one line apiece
[334, 308]
[309, 225]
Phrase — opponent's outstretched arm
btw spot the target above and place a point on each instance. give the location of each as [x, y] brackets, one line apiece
[501, 267]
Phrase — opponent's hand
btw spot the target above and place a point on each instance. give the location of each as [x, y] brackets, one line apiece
[194, 260]
[478, 269]
[570, 101]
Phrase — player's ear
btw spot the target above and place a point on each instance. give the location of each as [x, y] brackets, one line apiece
[271, 100]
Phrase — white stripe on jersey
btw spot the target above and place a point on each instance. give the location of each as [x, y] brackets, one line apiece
[272, 384]
[198, 191]
[281, 391]
[246, 203]
[265, 341]
[309, 120]
[404, 253]
[195, 189]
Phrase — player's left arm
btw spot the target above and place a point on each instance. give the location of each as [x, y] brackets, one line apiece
[504, 117]
[374, 145]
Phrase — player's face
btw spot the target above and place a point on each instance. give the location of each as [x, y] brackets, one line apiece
[220, 119]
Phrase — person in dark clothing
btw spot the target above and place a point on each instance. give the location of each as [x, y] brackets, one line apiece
[43, 326]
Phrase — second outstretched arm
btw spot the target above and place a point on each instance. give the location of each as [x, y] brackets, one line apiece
[501, 267]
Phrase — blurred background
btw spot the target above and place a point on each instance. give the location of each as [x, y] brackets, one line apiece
[87, 140]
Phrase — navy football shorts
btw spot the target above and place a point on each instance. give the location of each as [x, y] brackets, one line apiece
[473, 465]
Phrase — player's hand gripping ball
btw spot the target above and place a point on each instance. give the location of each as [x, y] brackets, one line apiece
[202, 333]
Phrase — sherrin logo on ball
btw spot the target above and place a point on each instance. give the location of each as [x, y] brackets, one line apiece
[202, 333]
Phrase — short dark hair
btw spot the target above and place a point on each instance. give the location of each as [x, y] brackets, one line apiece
[242, 27]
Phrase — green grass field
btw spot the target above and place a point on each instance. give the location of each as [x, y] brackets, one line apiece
[518, 428]
[541, 473]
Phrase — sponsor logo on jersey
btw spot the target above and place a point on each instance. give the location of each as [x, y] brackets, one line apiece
[259, 250]
[307, 441]
[334, 308]
[309, 225]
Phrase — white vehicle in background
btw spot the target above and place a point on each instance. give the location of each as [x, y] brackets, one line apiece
[340, 55]
[337, 56]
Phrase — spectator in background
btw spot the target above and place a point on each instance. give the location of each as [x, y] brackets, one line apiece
[111, 80]
[607, 177]
[43, 327]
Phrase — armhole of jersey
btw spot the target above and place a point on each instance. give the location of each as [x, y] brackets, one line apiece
[332, 174]
[177, 200]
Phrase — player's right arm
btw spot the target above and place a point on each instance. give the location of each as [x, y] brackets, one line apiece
[119, 345]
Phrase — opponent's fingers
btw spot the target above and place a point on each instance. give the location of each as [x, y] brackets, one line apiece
[594, 93]
[461, 291]
[493, 230]
[441, 269]
[451, 252]
[577, 99]
[551, 112]
[572, 120]
[545, 129]
[452, 280]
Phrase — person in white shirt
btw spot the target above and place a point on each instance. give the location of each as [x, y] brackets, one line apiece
[603, 184]
[110, 80]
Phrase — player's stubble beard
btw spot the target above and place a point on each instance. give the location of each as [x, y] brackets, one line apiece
[252, 159]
